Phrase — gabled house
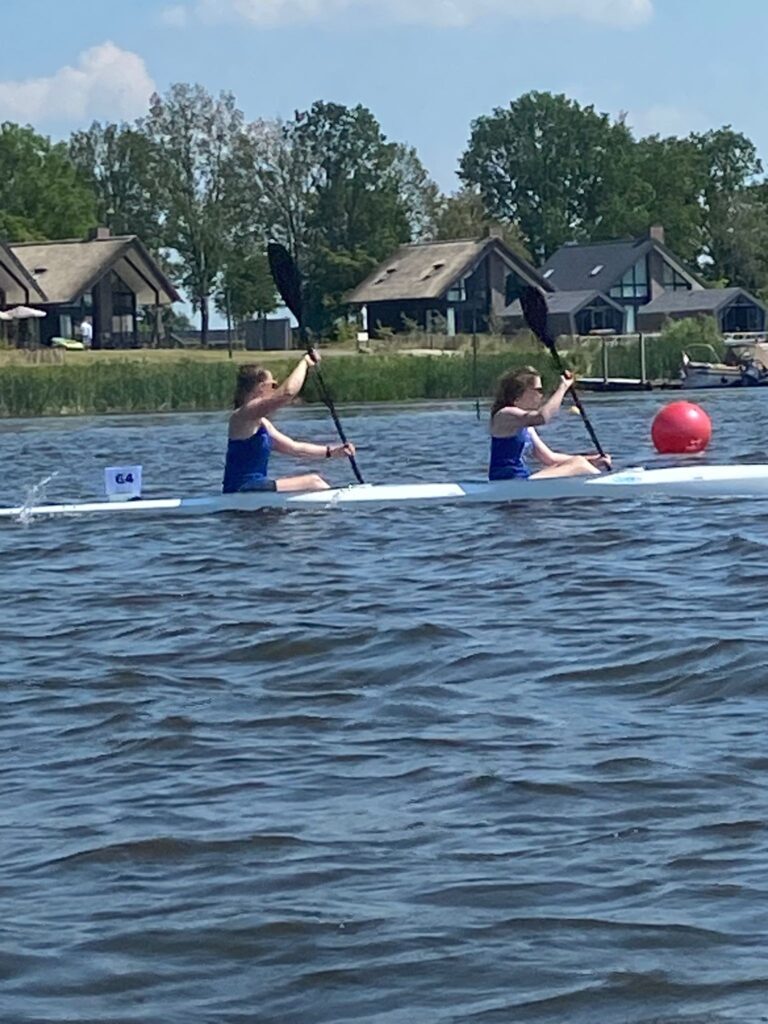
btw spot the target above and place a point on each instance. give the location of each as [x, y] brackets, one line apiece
[17, 286]
[734, 309]
[463, 281]
[103, 276]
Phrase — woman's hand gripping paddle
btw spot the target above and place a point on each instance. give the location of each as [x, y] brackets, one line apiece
[536, 316]
[288, 282]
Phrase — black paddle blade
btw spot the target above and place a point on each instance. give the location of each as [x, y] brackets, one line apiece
[535, 312]
[286, 276]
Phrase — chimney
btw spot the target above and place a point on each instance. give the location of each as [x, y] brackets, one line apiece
[492, 231]
[656, 232]
[98, 234]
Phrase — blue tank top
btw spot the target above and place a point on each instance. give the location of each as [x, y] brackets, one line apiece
[508, 456]
[247, 460]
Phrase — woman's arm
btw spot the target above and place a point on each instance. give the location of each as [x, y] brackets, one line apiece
[288, 446]
[284, 393]
[510, 420]
[544, 453]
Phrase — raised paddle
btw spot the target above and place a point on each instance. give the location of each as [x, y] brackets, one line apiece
[288, 281]
[536, 316]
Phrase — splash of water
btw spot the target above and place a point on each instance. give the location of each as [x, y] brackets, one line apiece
[35, 496]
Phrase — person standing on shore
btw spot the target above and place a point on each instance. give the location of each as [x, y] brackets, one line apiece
[252, 436]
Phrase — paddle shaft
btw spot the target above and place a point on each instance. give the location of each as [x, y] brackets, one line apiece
[577, 401]
[328, 401]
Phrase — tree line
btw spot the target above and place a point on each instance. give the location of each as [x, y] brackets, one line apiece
[205, 189]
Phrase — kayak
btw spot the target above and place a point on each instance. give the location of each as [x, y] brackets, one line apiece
[686, 481]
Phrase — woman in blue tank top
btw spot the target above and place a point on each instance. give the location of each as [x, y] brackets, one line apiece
[519, 408]
[252, 437]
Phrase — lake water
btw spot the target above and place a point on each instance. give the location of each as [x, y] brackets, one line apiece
[488, 765]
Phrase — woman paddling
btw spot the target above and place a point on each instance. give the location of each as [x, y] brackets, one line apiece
[252, 437]
[519, 408]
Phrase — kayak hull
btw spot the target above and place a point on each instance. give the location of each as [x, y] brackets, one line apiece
[695, 482]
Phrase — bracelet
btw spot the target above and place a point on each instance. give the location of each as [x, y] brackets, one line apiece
[327, 451]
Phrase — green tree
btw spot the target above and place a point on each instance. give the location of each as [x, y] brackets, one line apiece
[199, 150]
[42, 194]
[118, 162]
[463, 215]
[246, 287]
[340, 195]
[550, 166]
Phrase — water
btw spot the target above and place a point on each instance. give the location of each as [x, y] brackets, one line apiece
[500, 764]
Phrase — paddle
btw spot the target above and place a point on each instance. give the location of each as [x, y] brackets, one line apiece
[288, 282]
[536, 316]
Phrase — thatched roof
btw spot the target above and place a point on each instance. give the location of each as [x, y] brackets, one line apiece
[16, 283]
[65, 270]
[426, 270]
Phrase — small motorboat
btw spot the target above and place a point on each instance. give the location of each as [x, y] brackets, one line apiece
[745, 364]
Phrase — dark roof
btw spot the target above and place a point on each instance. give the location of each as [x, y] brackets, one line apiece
[565, 302]
[426, 270]
[707, 300]
[601, 265]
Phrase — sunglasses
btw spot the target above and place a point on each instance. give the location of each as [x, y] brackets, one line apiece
[540, 390]
[275, 385]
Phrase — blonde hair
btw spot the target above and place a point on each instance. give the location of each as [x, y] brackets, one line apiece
[512, 385]
[249, 375]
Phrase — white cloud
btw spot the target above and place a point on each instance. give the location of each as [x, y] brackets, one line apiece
[448, 13]
[106, 82]
[176, 16]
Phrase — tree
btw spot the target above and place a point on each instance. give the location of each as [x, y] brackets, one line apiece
[734, 209]
[550, 166]
[340, 196]
[463, 215]
[246, 287]
[199, 152]
[42, 193]
[118, 162]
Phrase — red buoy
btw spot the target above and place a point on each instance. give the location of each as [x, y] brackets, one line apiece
[681, 428]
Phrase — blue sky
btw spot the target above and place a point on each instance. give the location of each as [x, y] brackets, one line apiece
[425, 68]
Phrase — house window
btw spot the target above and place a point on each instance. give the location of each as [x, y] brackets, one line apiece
[458, 292]
[634, 284]
[548, 273]
[672, 281]
[743, 315]
[598, 317]
[596, 270]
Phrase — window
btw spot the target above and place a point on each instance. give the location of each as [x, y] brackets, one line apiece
[672, 281]
[596, 270]
[548, 273]
[458, 291]
[743, 315]
[598, 317]
[634, 284]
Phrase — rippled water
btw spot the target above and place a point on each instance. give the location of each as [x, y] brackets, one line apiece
[485, 765]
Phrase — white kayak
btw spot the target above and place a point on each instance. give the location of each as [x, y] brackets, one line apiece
[686, 481]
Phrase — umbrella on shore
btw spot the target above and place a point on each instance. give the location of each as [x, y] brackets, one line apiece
[22, 313]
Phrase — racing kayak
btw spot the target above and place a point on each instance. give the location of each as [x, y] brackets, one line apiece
[686, 481]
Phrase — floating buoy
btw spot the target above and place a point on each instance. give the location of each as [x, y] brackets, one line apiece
[574, 410]
[681, 428]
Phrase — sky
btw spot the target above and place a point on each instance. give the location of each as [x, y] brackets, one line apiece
[425, 68]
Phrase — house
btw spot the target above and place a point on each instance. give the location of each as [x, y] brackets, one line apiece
[642, 278]
[17, 287]
[103, 276]
[463, 281]
[734, 309]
